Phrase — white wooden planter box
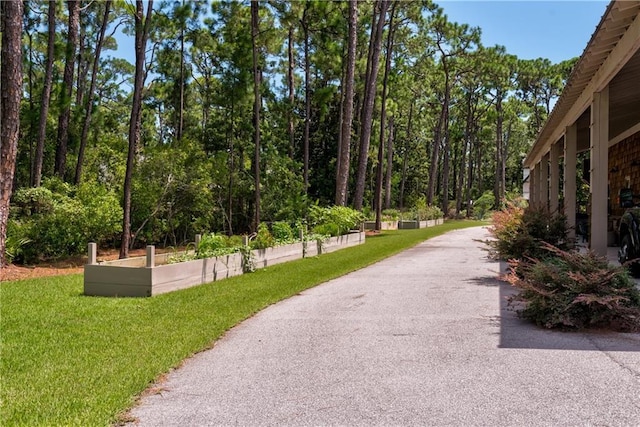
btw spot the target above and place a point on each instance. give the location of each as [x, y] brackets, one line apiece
[340, 242]
[384, 225]
[144, 276]
[413, 224]
[408, 224]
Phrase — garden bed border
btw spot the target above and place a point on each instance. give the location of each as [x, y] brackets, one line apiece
[151, 275]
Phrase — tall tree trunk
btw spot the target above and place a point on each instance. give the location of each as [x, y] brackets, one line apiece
[92, 89]
[405, 156]
[36, 176]
[470, 171]
[83, 66]
[383, 119]
[142, 25]
[435, 153]
[389, 172]
[307, 99]
[255, 31]
[181, 108]
[370, 95]
[446, 151]
[292, 99]
[67, 88]
[232, 166]
[367, 71]
[32, 108]
[342, 178]
[11, 94]
[463, 154]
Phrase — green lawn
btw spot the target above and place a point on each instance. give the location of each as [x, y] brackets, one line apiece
[69, 359]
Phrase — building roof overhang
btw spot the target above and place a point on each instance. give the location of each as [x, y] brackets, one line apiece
[614, 42]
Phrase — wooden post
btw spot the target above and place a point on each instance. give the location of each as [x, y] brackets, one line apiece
[93, 251]
[151, 256]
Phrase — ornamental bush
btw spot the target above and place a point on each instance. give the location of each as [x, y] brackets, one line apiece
[574, 291]
[520, 232]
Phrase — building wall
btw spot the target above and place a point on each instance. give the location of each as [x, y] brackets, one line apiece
[624, 170]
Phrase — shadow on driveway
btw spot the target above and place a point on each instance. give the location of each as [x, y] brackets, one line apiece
[519, 333]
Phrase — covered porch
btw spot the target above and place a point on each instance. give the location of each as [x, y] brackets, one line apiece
[591, 141]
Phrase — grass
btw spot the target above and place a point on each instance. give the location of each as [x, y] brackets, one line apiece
[69, 359]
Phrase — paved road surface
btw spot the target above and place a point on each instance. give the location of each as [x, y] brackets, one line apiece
[422, 338]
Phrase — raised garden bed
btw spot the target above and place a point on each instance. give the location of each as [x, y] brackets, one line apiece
[413, 224]
[384, 225]
[403, 224]
[151, 275]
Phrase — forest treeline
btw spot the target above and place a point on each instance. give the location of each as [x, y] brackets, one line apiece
[240, 112]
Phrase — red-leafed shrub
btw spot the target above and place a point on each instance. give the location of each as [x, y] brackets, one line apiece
[520, 232]
[575, 291]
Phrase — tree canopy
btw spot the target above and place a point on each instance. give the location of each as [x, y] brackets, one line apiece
[237, 112]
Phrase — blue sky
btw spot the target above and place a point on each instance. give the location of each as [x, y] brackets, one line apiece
[530, 29]
[557, 30]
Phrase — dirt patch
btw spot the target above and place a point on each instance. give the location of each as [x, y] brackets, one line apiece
[18, 272]
[71, 265]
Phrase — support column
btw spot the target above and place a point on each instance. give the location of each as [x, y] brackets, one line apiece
[554, 177]
[544, 182]
[532, 185]
[538, 197]
[570, 188]
[599, 171]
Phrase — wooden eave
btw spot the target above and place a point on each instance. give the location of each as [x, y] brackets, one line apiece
[614, 42]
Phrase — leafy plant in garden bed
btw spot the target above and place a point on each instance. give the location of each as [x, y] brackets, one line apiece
[335, 220]
[573, 290]
[281, 233]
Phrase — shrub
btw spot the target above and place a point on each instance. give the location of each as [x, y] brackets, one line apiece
[212, 245]
[327, 229]
[573, 290]
[433, 212]
[264, 238]
[343, 217]
[32, 201]
[519, 233]
[62, 222]
[390, 214]
[483, 204]
[506, 229]
[421, 211]
[16, 241]
[282, 233]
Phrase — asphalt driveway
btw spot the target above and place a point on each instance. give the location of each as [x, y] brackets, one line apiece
[422, 338]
